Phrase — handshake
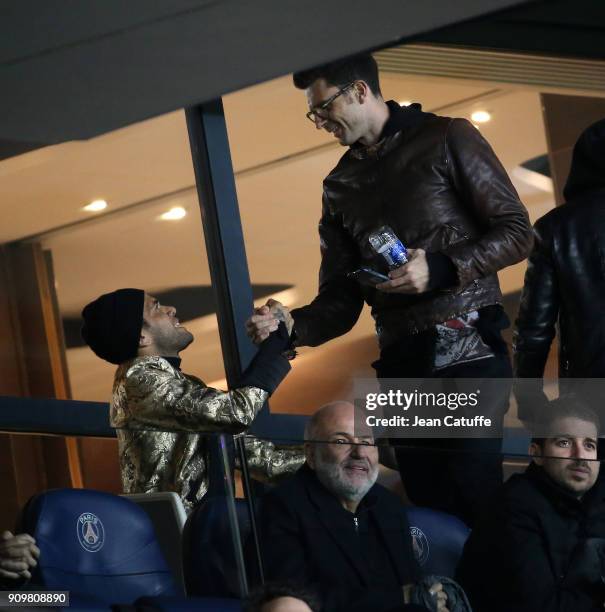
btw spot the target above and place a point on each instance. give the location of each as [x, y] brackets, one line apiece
[266, 319]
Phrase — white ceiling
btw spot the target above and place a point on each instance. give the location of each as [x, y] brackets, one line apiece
[279, 160]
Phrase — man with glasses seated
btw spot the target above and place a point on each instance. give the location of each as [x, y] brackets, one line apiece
[540, 545]
[160, 412]
[437, 183]
[332, 529]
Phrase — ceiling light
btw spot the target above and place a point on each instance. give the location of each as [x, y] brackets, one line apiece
[405, 102]
[178, 212]
[481, 116]
[96, 206]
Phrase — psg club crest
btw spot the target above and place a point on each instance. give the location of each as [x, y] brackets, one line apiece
[91, 533]
[420, 544]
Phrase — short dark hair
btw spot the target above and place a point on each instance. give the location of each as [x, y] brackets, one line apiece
[566, 406]
[341, 73]
[273, 590]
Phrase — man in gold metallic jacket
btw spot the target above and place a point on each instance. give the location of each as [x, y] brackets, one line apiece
[161, 414]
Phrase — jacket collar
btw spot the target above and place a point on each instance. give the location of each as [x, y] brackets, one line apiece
[330, 513]
[560, 497]
[402, 119]
[175, 362]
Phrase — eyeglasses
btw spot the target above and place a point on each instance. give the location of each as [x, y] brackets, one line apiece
[315, 113]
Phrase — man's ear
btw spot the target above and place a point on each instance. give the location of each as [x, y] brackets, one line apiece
[145, 338]
[361, 90]
[309, 455]
[535, 451]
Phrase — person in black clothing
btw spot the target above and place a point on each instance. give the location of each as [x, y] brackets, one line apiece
[439, 185]
[541, 545]
[337, 532]
[565, 280]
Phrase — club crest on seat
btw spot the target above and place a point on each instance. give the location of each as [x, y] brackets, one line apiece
[91, 533]
[420, 544]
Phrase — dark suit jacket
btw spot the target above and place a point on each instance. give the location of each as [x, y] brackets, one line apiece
[536, 549]
[305, 538]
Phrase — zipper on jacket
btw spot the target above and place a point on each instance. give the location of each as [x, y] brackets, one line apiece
[356, 523]
[460, 232]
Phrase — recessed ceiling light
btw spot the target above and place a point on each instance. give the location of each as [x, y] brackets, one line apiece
[175, 213]
[404, 102]
[96, 206]
[481, 116]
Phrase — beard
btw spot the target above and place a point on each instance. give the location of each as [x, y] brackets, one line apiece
[337, 481]
[174, 340]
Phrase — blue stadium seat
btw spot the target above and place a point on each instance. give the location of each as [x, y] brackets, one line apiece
[98, 546]
[208, 559]
[438, 539]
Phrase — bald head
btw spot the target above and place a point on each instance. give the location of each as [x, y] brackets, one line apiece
[315, 423]
[340, 450]
[326, 419]
[286, 604]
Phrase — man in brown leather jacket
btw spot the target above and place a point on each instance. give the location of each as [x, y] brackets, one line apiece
[439, 185]
[161, 413]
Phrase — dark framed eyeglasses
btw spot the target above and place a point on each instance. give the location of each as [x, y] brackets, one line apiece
[315, 113]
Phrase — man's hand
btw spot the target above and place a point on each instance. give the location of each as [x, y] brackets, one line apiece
[407, 593]
[412, 277]
[436, 591]
[440, 596]
[266, 319]
[18, 555]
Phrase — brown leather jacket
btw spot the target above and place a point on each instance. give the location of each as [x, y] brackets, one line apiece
[438, 184]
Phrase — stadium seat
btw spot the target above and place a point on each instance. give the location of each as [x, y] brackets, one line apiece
[98, 546]
[166, 511]
[209, 561]
[438, 539]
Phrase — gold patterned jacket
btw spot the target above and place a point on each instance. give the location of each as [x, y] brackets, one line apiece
[159, 414]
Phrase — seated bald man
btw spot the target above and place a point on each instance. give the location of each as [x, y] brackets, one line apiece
[159, 411]
[336, 531]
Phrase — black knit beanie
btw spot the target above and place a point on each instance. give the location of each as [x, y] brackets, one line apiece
[112, 324]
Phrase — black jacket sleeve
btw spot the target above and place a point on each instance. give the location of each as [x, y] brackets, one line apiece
[269, 366]
[339, 301]
[535, 325]
[539, 308]
[506, 566]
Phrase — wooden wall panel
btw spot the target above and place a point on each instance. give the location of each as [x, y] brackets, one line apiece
[100, 465]
[32, 364]
[42, 343]
[12, 372]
